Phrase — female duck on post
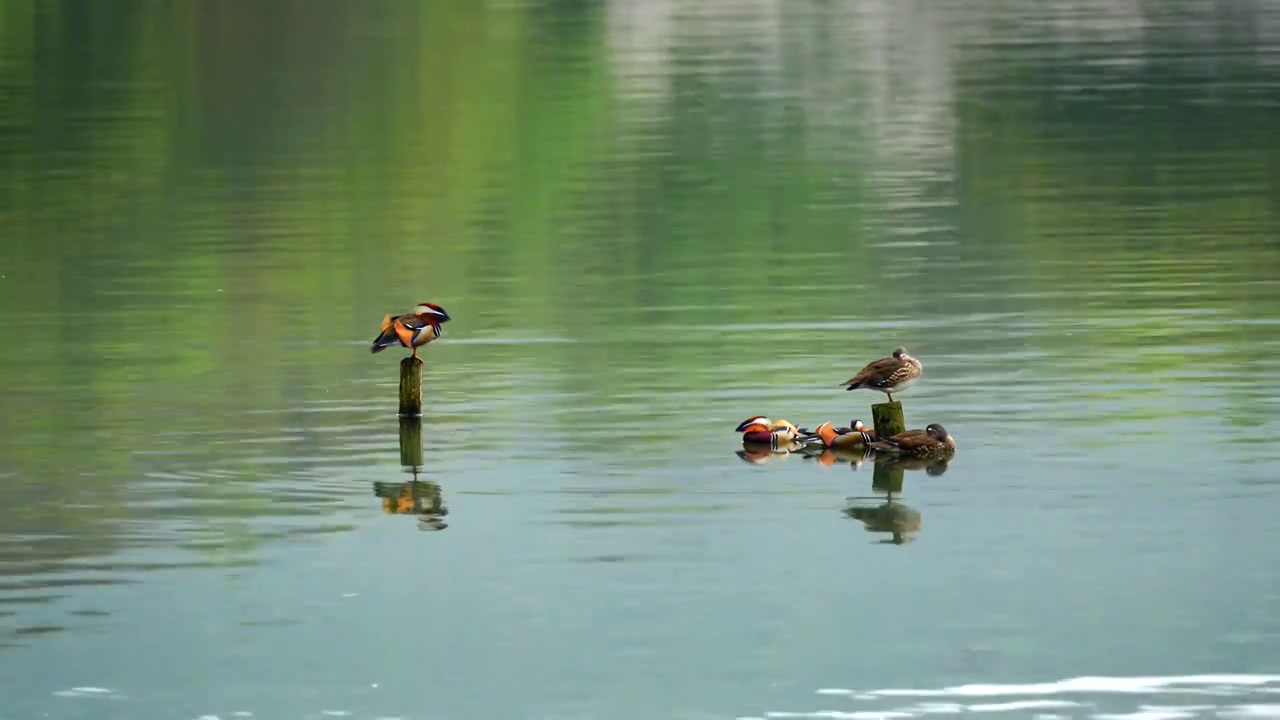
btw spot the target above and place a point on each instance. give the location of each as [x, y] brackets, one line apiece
[932, 441]
[411, 330]
[888, 375]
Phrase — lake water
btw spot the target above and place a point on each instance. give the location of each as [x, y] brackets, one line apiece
[649, 221]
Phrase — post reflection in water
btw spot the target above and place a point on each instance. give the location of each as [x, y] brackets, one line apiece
[421, 498]
[881, 512]
[891, 516]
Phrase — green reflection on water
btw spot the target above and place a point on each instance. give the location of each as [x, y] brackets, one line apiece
[207, 209]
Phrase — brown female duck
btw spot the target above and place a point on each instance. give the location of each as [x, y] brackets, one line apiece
[932, 441]
[888, 375]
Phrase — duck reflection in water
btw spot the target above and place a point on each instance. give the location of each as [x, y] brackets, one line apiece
[761, 454]
[421, 498]
[933, 467]
[900, 521]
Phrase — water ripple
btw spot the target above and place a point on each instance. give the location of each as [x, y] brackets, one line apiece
[1097, 698]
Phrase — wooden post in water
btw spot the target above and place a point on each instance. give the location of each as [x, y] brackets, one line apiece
[886, 418]
[411, 387]
[410, 441]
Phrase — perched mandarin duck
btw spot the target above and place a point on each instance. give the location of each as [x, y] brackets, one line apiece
[855, 436]
[888, 375]
[760, 430]
[411, 330]
[933, 441]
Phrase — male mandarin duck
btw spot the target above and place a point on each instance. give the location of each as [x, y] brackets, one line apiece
[856, 435]
[760, 430]
[933, 441]
[412, 330]
[888, 375]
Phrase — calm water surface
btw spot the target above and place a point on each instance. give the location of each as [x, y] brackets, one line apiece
[649, 221]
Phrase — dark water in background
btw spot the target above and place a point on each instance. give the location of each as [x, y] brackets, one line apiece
[649, 221]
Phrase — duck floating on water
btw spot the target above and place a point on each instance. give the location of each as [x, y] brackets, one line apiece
[887, 375]
[857, 435]
[760, 430]
[412, 330]
[933, 441]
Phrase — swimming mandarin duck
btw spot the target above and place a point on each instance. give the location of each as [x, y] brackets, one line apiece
[888, 375]
[855, 436]
[412, 330]
[933, 441]
[760, 430]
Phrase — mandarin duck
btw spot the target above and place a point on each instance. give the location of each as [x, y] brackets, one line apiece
[933, 441]
[888, 375]
[412, 330]
[760, 430]
[856, 435]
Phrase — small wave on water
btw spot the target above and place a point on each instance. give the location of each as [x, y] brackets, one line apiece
[1098, 698]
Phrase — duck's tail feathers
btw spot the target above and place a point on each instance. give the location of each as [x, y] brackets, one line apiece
[385, 340]
[808, 437]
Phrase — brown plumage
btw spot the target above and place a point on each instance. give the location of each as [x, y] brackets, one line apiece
[887, 375]
[933, 441]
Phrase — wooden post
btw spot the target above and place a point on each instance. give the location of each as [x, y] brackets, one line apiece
[411, 442]
[887, 419]
[410, 387]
